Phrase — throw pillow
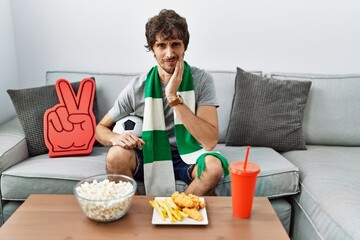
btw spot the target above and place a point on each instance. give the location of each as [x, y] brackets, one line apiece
[267, 112]
[30, 105]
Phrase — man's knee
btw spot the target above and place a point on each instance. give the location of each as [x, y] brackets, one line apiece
[120, 160]
[213, 167]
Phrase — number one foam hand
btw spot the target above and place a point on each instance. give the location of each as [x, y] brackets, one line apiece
[69, 127]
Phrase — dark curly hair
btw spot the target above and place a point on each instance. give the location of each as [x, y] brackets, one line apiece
[169, 25]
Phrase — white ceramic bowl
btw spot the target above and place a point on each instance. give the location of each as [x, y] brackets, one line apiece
[107, 197]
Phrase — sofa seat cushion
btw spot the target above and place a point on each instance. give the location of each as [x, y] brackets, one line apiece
[330, 189]
[40, 174]
[277, 177]
[283, 210]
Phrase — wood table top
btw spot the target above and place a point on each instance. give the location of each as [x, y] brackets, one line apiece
[45, 216]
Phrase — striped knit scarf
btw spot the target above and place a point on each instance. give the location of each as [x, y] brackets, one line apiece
[159, 176]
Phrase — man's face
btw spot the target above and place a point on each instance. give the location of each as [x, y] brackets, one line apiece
[168, 52]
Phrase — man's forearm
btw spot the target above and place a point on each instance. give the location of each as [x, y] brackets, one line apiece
[204, 130]
[104, 134]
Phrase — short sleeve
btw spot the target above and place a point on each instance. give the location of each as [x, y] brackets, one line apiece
[124, 104]
[205, 92]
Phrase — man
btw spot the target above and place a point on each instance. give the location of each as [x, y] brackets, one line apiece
[159, 157]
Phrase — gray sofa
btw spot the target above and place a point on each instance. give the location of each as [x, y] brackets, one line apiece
[315, 192]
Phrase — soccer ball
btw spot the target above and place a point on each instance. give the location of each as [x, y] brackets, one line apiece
[129, 123]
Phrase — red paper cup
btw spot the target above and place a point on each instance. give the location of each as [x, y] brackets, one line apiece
[243, 183]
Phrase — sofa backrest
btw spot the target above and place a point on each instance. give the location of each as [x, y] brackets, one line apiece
[332, 112]
[225, 88]
[109, 85]
[332, 115]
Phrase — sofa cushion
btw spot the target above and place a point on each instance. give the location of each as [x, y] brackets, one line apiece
[30, 105]
[283, 210]
[278, 177]
[224, 82]
[330, 189]
[13, 148]
[40, 174]
[267, 112]
[332, 115]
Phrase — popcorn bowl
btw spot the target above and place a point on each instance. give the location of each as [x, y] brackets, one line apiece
[106, 197]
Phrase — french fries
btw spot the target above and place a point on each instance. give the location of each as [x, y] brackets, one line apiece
[162, 212]
[179, 206]
[168, 209]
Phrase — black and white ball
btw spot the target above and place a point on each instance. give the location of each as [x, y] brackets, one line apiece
[129, 123]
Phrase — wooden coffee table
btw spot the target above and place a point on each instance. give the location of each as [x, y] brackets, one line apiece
[60, 217]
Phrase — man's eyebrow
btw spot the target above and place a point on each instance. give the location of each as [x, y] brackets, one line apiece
[168, 40]
[159, 40]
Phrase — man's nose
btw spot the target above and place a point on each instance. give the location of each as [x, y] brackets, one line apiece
[169, 52]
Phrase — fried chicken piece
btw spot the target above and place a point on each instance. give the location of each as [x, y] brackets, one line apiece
[193, 213]
[182, 200]
[189, 204]
[187, 201]
[197, 202]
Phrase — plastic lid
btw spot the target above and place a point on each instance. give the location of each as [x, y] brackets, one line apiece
[238, 168]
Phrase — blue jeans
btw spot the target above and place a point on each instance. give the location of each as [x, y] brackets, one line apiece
[182, 170]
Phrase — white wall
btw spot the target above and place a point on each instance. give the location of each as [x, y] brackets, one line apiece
[320, 36]
[108, 35]
[8, 65]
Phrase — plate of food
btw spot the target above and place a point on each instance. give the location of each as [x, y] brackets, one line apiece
[179, 209]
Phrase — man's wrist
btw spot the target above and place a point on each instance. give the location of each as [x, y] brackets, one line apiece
[171, 98]
[174, 101]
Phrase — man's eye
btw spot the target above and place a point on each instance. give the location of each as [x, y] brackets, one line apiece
[176, 44]
[161, 45]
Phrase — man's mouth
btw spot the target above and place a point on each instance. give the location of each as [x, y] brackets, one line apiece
[171, 60]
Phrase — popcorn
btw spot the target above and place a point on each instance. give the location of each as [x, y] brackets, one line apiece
[105, 200]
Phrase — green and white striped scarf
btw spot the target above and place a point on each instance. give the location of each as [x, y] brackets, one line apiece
[159, 176]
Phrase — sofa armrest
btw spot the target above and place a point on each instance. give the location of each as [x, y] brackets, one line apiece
[13, 148]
